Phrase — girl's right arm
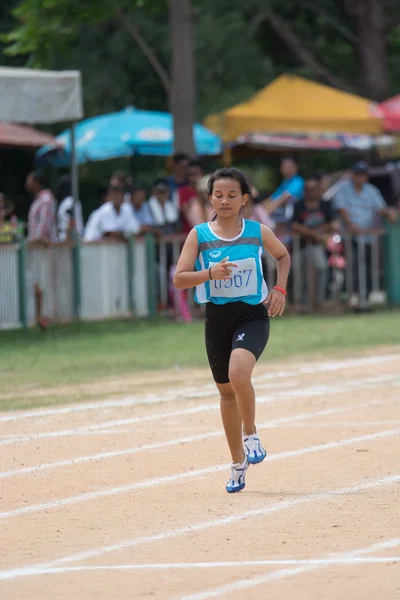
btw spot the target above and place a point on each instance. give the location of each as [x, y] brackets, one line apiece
[185, 275]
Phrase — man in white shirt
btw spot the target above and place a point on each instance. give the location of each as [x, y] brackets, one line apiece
[115, 219]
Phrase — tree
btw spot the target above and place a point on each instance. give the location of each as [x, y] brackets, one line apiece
[182, 93]
[359, 29]
[45, 30]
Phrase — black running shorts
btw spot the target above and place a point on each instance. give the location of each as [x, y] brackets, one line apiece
[234, 325]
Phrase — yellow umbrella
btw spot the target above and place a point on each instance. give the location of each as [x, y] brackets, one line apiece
[293, 104]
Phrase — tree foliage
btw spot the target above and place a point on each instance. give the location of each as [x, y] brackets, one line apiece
[239, 46]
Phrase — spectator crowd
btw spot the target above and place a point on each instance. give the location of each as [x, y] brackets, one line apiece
[304, 214]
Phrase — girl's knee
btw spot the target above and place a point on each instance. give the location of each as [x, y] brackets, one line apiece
[238, 377]
[228, 400]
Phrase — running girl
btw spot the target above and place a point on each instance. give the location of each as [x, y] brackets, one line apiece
[222, 260]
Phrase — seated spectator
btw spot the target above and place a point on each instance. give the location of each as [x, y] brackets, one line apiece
[114, 219]
[163, 211]
[121, 179]
[66, 223]
[103, 198]
[359, 204]
[313, 221]
[140, 207]
[280, 204]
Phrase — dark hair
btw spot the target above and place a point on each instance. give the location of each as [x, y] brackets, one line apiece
[179, 157]
[138, 185]
[39, 177]
[121, 177]
[195, 162]
[289, 157]
[64, 187]
[230, 173]
[160, 181]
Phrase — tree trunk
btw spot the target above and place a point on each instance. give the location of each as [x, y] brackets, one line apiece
[182, 96]
[369, 18]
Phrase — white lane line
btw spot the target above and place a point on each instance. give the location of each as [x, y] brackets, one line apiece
[329, 562]
[244, 584]
[155, 482]
[316, 390]
[328, 424]
[185, 440]
[202, 526]
[193, 392]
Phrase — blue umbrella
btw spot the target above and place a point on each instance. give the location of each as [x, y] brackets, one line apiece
[125, 133]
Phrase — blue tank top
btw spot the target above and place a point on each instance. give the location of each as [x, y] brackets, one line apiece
[247, 283]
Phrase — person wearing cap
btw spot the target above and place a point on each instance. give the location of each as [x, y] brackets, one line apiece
[359, 204]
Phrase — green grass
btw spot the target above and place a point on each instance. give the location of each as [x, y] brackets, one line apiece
[87, 352]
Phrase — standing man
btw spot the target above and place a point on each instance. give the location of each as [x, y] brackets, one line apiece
[359, 204]
[42, 230]
[280, 204]
[313, 221]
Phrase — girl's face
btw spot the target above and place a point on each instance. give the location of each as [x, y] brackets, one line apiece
[227, 198]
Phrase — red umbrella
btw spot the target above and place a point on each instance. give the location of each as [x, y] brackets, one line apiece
[391, 111]
[22, 135]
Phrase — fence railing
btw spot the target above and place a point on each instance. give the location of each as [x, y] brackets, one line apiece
[106, 279]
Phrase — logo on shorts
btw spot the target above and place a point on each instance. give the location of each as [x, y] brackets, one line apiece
[215, 254]
[240, 337]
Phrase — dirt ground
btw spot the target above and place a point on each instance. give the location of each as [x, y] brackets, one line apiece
[125, 498]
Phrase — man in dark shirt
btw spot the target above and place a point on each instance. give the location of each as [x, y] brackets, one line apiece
[313, 221]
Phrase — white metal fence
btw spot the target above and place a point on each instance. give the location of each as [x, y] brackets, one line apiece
[111, 280]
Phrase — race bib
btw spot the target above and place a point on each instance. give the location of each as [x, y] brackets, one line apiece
[243, 281]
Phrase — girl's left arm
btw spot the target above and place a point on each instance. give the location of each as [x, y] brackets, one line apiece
[276, 299]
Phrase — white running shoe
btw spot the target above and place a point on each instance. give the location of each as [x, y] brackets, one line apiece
[237, 479]
[254, 449]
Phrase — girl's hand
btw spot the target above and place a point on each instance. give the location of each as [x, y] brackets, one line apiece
[275, 303]
[222, 270]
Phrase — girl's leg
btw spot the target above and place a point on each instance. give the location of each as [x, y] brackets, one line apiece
[232, 421]
[241, 367]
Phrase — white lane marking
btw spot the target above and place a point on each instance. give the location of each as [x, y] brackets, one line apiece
[315, 390]
[193, 392]
[186, 440]
[284, 573]
[327, 424]
[155, 482]
[329, 562]
[202, 526]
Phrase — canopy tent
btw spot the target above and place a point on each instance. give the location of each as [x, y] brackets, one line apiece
[126, 133]
[23, 136]
[34, 96]
[391, 113]
[296, 105]
[313, 141]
